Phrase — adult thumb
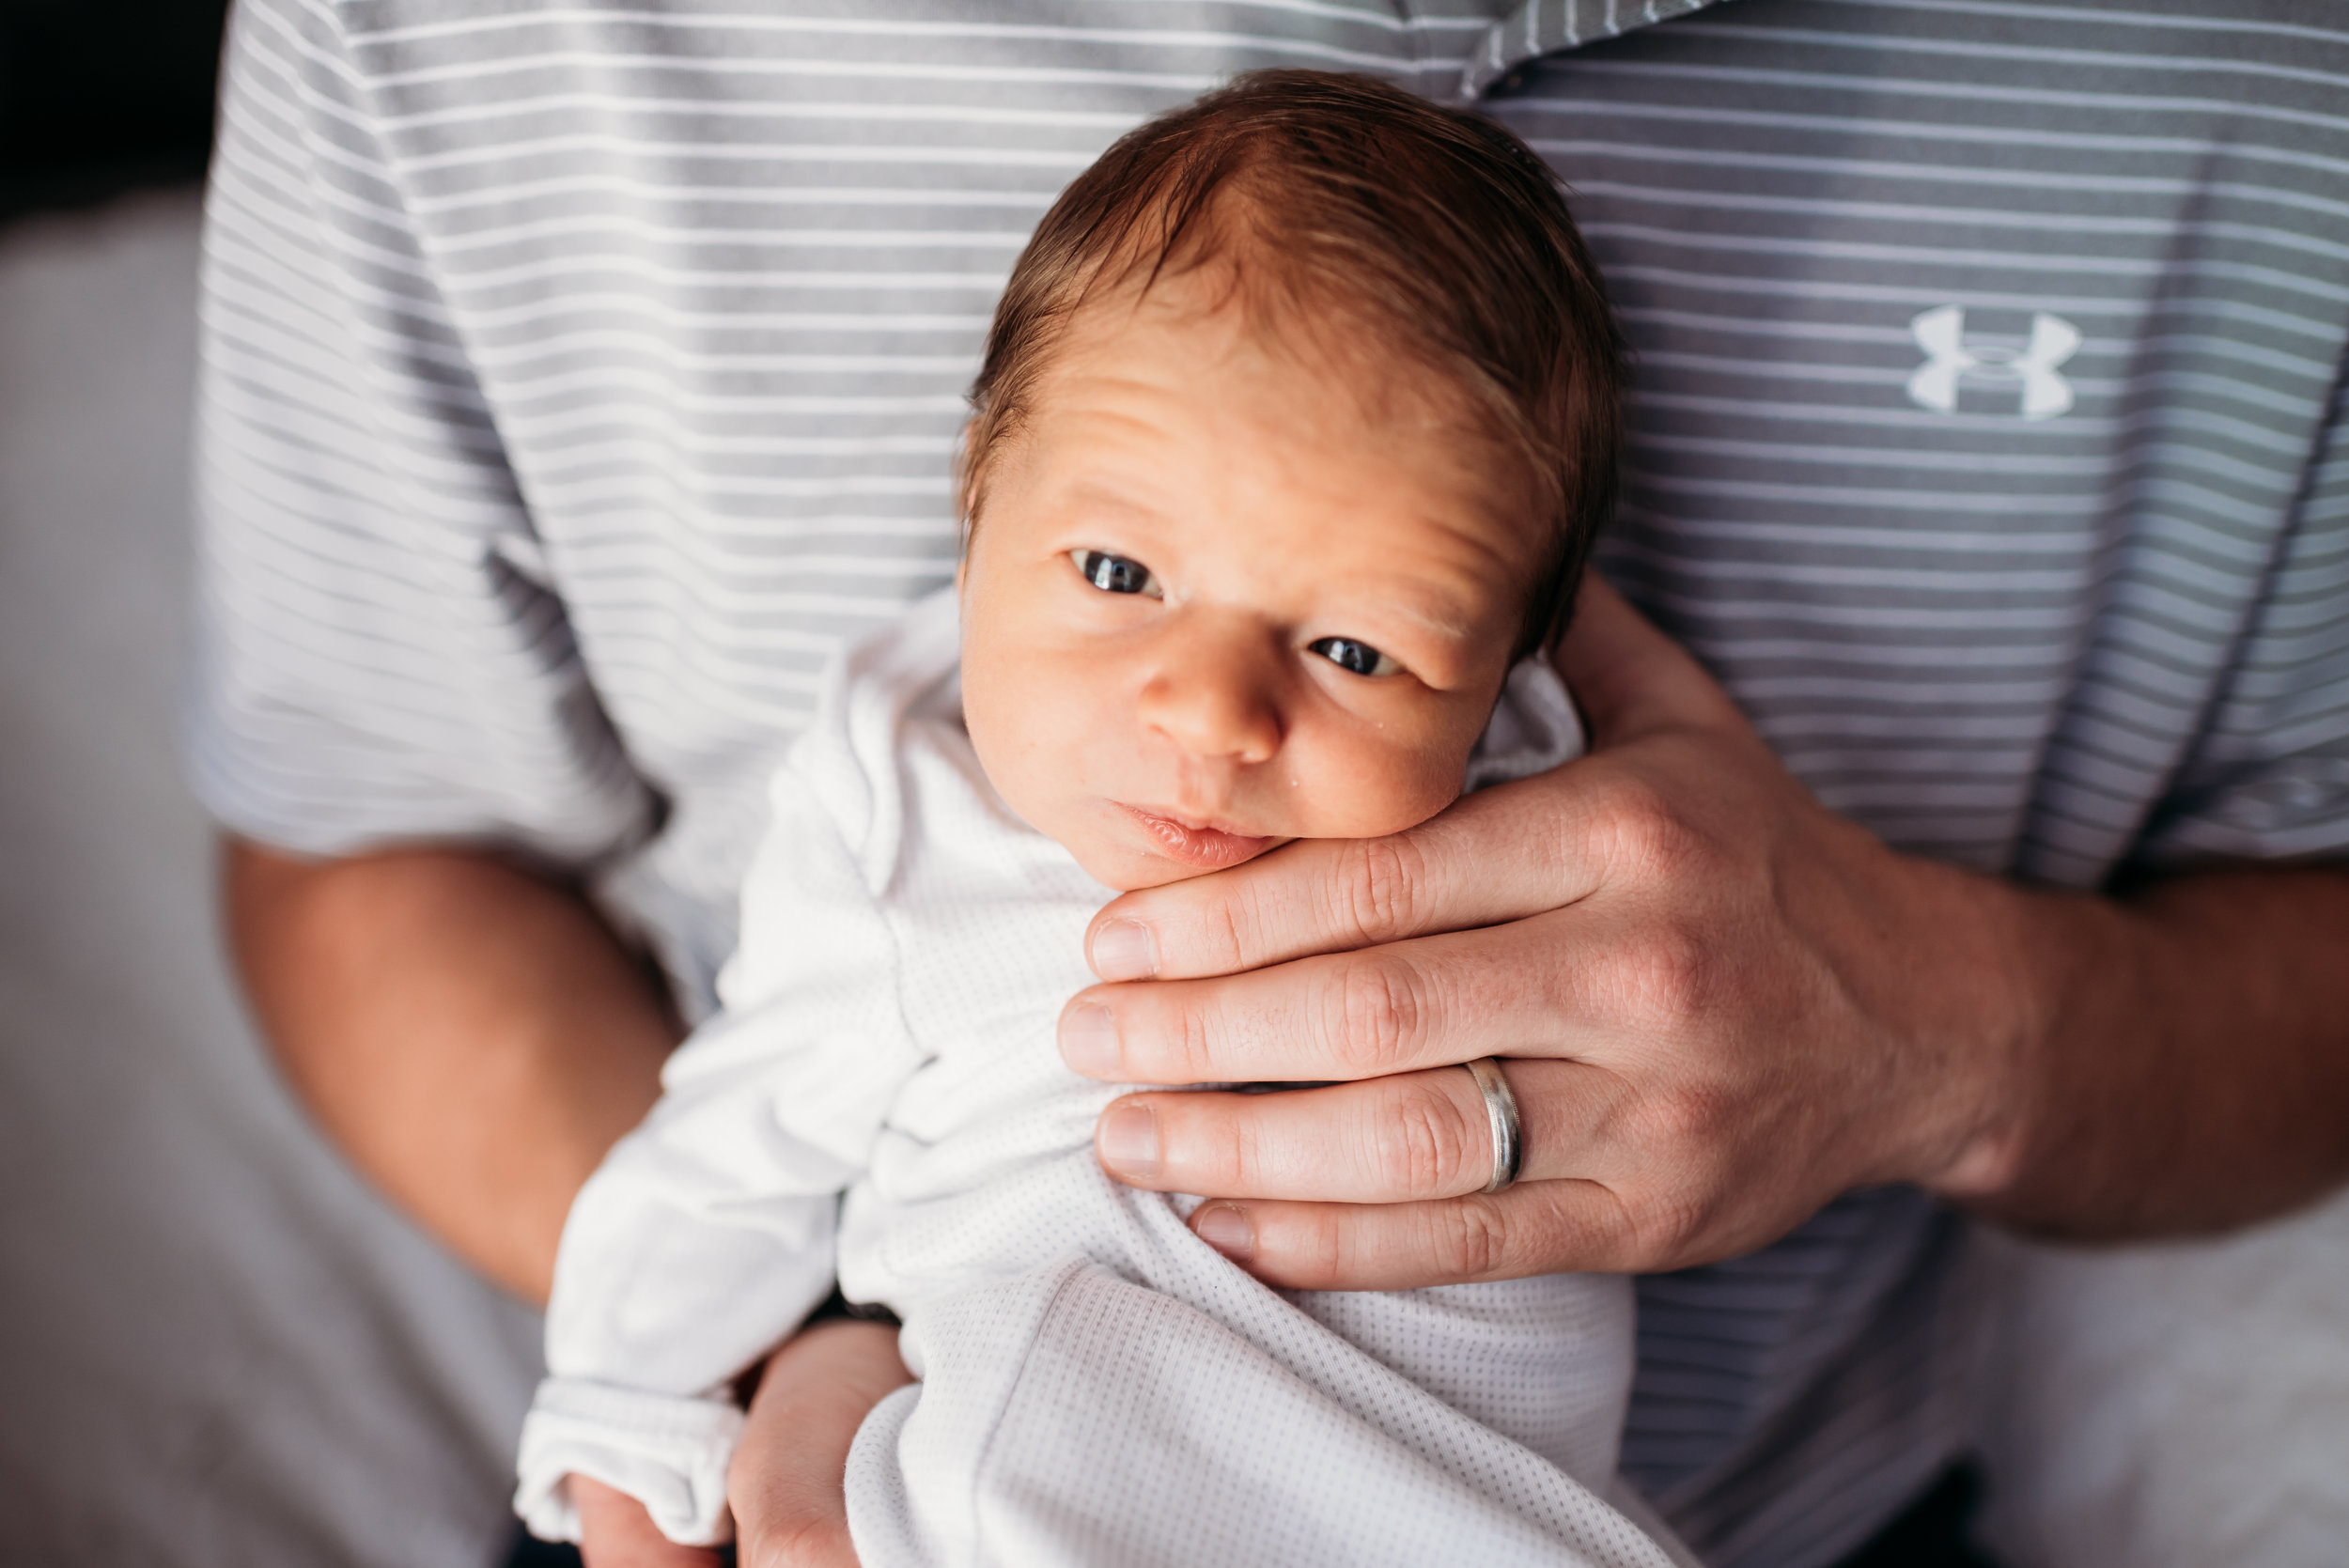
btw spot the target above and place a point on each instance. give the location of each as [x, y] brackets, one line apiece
[1631, 680]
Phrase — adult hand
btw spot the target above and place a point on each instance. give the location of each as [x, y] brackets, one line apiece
[1722, 1005]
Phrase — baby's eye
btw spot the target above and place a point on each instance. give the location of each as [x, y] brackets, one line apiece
[1357, 658]
[1115, 574]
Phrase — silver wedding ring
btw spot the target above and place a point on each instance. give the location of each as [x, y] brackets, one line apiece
[1501, 1113]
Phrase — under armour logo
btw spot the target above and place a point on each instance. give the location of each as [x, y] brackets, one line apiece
[1942, 334]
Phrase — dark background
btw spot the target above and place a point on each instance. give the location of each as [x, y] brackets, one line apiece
[99, 96]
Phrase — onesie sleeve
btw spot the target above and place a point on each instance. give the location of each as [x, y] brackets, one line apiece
[1534, 728]
[707, 1235]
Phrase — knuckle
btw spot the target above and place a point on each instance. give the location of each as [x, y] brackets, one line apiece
[1372, 1018]
[1322, 1248]
[1665, 1230]
[1231, 930]
[1473, 1237]
[1242, 1159]
[1673, 976]
[1375, 889]
[1256, 922]
[1427, 1141]
[1650, 834]
[1189, 1039]
[1697, 1114]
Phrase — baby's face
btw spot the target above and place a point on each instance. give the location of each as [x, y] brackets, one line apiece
[1222, 595]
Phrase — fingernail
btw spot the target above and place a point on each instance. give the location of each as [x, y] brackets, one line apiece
[1128, 1140]
[1226, 1229]
[1088, 1040]
[1125, 950]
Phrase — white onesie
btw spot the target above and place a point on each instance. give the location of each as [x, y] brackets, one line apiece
[1098, 1386]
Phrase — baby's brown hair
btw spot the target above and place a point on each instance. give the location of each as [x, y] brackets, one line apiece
[1334, 195]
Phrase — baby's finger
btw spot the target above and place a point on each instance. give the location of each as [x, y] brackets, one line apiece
[615, 1531]
[785, 1485]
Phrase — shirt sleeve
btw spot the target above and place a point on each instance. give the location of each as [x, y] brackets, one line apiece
[707, 1235]
[377, 656]
[2269, 779]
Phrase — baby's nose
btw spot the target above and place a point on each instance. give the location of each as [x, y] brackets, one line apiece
[1216, 700]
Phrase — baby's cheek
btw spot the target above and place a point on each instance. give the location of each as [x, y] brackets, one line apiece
[1371, 791]
[1036, 726]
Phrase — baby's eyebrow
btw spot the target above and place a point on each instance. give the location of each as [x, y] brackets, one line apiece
[1105, 493]
[1441, 616]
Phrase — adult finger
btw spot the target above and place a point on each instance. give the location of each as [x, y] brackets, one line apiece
[1534, 1228]
[1628, 678]
[1499, 855]
[1388, 1141]
[1426, 1003]
[1557, 985]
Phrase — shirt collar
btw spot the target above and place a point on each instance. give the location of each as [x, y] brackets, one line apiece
[1537, 28]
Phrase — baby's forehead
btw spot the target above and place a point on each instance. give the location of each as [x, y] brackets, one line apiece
[1307, 475]
[1347, 358]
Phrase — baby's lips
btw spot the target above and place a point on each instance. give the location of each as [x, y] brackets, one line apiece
[1209, 848]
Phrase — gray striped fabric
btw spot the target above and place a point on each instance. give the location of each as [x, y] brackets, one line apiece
[580, 375]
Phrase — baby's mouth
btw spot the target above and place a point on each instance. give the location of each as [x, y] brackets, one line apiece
[1206, 844]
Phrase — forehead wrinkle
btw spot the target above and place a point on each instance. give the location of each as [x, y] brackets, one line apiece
[1346, 362]
[1250, 294]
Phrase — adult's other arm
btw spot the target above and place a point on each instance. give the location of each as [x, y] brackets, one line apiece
[472, 1036]
[476, 1039]
[382, 661]
[1724, 1005]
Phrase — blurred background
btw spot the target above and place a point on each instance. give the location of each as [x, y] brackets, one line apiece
[97, 97]
[217, 1347]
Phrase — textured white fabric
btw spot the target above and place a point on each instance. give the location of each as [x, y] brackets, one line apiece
[2171, 1405]
[1097, 1385]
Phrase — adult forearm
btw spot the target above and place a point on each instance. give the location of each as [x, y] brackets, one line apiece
[2186, 1062]
[472, 1036]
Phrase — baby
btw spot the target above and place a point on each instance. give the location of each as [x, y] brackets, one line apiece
[1295, 420]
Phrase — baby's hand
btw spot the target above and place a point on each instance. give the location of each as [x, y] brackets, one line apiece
[615, 1531]
[785, 1485]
